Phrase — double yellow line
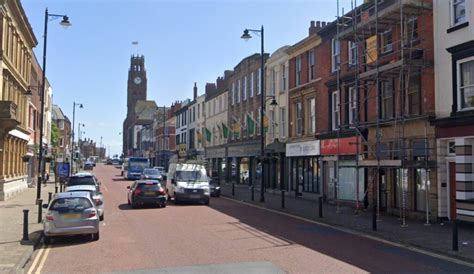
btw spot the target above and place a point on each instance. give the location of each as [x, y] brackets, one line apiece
[40, 259]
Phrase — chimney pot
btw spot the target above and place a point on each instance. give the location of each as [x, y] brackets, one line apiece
[318, 24]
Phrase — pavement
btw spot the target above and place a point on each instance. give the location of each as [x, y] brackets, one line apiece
[435, 237]
[15, 253]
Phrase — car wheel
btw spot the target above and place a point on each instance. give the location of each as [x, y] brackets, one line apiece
[101, 217]
[128, 201]
[46, 240]
[206, 202]
[95, 236]
[163, 205]
[134, 205]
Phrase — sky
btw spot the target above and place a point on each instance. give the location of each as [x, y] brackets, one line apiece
[183, 41]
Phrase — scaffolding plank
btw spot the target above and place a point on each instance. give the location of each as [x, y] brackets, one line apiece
[383, 163]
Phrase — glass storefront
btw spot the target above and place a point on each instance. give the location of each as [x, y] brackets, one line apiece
[305, 174]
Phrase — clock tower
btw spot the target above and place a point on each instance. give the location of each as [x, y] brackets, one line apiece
[136, 85]
[136, 91]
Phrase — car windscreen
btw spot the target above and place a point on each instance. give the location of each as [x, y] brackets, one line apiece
[70, 204]
[77, 181]
[151, 172]
[149, 187]
[190, 175]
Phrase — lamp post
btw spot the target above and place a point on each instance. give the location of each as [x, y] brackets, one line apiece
[74, 104]
[246, 36]
[65, 23]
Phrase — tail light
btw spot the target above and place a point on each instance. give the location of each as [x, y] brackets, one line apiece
[50, 217]
[137, 192]
[92, 214]
[161, 191]
[98, 201]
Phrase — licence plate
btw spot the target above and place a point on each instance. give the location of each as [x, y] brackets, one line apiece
[70, 216]
[194, 196]
[149, 193]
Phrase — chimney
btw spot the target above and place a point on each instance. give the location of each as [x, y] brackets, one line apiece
[210, 87]
[220, 83]
[195, 91]
[323, 24]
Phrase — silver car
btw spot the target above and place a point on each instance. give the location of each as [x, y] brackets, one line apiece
[96, 196]
[71, 213]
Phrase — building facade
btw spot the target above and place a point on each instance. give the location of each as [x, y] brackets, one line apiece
[17, 42]
[62, 152]
[195, 146]
[181, 121]
[454, 77]
[216, 130]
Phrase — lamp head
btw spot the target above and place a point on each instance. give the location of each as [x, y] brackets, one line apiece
[81, 106]
[65, 22]
[246, 36]
[28, 92]
[273, 103]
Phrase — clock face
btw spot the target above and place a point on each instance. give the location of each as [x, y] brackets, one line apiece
[137, 80]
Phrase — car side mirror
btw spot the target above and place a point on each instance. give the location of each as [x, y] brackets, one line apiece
[45, 205]
[128, 187]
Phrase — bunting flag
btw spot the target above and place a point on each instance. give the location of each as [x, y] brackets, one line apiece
[208, 135]
[236, 128]
[219, 128]
[265, 123]
[250, 125]
[225, 130]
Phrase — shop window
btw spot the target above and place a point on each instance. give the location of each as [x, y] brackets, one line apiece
[459, 11]
[386, 108]
[421, 185]
[466, 83]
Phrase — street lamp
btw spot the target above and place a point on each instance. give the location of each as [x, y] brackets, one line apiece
[65, 23]
[246, 36]
[74, 104]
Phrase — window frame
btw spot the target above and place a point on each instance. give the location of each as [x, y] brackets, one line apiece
[245, 88]
[352, 50]
[311, 65]
[298, 70]
[384, 97]
[335, 56]
[282, 126]
[335, 110]
[233, 93]
[283, 78]
[252, 84]
[460, 98]
[386, 45]
[455, 20]
[352, 103]
[312, 115]
[299, 118]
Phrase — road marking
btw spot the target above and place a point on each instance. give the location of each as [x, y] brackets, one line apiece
[358, 233]
[40, 266]
[38, 256]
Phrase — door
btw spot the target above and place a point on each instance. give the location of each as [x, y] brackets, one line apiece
[383, 190]
[452, 190]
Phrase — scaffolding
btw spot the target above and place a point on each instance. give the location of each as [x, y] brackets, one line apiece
[387, 34]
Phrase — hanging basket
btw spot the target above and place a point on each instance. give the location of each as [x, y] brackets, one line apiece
[26, 158]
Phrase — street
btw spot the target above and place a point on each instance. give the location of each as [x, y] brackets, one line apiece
[223, 237]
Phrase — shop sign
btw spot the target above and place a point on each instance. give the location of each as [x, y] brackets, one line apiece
[310, 148]
[244, 151]
[341, 146]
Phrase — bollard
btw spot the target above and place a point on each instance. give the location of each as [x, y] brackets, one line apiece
[50, 194]
[40, 210]
[374, 218]
[282, 198]
[233, 189]
[320, 206]
[56, 188]
[253, 193]
[25, 224]
[455, 235]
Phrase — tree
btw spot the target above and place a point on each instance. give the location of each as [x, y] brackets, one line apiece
[54, 135]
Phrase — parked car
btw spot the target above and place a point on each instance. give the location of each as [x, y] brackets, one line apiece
[143, 192]
[97, 196]
[152, 174]
[70, 213]
[188, 182]
[160, 169]
[115, 162]
[88, 165]
[215, 188]
[83, 178]
[109, 162]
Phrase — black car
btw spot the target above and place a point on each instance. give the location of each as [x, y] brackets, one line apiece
[215, 188]
[143, 192]
[83, 178]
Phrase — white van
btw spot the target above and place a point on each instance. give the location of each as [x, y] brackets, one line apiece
[188, 182]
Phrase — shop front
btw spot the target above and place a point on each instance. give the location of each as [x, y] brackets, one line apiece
[304, 167]
[242, 160]
[216, 158]
[343, 179]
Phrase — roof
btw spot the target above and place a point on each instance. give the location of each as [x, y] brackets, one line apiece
[147, 181]
[82, 174]
[74, 194]
[58, 112]
[81, 187]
